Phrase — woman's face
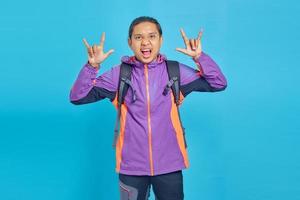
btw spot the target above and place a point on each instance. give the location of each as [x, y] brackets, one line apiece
[145, 42]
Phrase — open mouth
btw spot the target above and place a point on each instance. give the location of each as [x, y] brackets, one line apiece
[146, 52]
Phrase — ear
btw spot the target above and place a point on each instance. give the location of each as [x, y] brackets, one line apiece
[160, 41]
[129, 42]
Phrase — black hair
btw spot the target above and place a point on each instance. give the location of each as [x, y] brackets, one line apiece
[141, 19]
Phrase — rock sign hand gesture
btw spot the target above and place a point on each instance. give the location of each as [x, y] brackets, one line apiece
[95, 53]
[193, 47]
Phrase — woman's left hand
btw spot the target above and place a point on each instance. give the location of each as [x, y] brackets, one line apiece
[193, 47]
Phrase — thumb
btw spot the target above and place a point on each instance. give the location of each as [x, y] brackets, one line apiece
[109, 52]
[181, 50]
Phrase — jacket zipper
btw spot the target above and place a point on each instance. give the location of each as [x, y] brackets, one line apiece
[149, 120]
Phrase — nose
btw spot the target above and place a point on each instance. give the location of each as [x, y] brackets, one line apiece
[145, 41]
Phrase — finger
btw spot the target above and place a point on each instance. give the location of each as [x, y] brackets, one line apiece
[102, 39]
[200, 34]
[90, 52]
[183, 33]
[86, 43]
[182, 50]
[193, 44]
[109, 52]
[94, 49]
[185, 39]
[197, 43]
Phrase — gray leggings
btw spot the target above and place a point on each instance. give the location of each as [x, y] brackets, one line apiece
[165, 187]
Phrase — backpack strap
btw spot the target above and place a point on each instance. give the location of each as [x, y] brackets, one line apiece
[174, 80]
[124, 82]
[174, 84]
[124, 85]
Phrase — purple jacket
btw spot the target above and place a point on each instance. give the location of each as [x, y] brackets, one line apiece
[151, 139]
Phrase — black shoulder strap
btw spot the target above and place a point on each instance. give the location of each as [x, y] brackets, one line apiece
[125, 75]
[124, 84]
[174, 79]
[174, 84]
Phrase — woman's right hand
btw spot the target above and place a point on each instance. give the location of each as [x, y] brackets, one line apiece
[95, 53]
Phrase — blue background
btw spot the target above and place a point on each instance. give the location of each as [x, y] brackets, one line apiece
[243, 142]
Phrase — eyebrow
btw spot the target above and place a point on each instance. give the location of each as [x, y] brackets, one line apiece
[148, 33]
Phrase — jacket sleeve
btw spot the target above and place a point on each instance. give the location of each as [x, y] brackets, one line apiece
[89, 88]
[207, 78]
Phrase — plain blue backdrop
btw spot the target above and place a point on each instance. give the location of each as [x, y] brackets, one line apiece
[243, 143]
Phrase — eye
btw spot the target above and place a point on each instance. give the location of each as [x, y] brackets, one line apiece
[152, 37]
[137, 37]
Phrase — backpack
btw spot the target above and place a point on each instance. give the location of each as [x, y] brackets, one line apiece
[125, 84]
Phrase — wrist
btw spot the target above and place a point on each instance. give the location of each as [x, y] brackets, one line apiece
[95, 65]
[196, 58]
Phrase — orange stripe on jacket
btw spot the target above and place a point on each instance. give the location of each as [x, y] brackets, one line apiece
[120, 141]
[178, 131]
[181, 98]
[115, 101]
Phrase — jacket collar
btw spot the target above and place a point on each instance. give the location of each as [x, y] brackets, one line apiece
[133, 61]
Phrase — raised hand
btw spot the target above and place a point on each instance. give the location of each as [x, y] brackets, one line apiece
[193, 47]
[95, 52]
